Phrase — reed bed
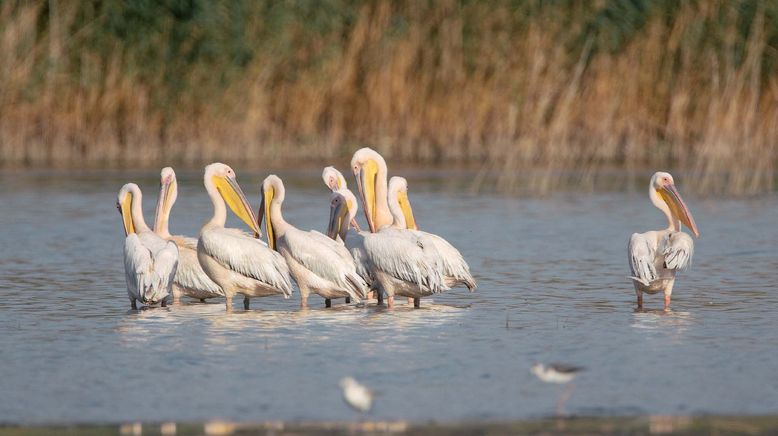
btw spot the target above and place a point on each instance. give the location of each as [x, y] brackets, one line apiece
[510, 86]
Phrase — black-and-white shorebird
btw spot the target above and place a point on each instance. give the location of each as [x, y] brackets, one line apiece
[558, 373]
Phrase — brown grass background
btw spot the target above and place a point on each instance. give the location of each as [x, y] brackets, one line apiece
[506, 86]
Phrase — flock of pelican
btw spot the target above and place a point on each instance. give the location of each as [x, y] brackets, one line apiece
[392, 258]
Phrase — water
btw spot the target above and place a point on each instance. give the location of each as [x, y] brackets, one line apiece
[552, 288]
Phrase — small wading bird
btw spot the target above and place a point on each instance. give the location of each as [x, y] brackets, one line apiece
[234, 260]
[655, 256]
[149, 261]
[356, 395]
[403, 261]
[317, 263]
[190, 278]
[559, 374]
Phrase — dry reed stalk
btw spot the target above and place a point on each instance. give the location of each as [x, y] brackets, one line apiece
[527, 89]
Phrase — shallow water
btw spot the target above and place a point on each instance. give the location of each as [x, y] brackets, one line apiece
[552, 288]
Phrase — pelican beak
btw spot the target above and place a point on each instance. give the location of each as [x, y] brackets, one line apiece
[267, 198]
[355, 225]
[232, 194]
[678, 208]
[366, 185]
[405, 205]
[163, 202]
[338, 216]
[125, 210]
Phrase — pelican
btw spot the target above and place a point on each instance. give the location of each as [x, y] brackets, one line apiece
[352, 239]
[455, 270]
[655, 256]
[149, 261]
[237, 262]
[405, 262]
[317, 263]
[190, 278]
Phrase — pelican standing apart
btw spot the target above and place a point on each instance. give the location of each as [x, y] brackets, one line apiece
[317, 263]
[237, 262]
[190, 278]
[655, 256]
[149, 261]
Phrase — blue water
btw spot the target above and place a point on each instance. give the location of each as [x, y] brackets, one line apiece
[552, 288]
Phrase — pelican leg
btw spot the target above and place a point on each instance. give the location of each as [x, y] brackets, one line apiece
[304, 292]
[327, 302]
[228, 302]
[416, 302]
[390, 301]
[133, 304]
[379, 297]
[668, 294]
[640, 298]
[412, 300]
[246, 302]
[164, 302]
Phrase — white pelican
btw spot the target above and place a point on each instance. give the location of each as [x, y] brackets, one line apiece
[369, 168]
[655, 256]
[317, 263]
[149, 261]
[190, 278]
[455, 270]
[404, 261]
[352, 239]
[237, 262]
[333, 179]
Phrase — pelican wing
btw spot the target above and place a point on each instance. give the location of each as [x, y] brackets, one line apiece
[190, 274]
[641, 251]
[247, 256]
[449, 258]
[355, 243]
[326, 258]
[677, 249]
[137, 266]
[403, 259]
[150, 263]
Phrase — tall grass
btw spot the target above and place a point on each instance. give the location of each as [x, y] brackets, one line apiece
[512, 86]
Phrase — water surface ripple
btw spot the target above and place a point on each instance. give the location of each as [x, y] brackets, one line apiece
[552, 275]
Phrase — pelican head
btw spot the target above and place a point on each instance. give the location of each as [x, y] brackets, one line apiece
[366, 165]
[273, 193]
[168, 192]
[398, 196]
[666, 197]
[333, 179]
[220, 181]
[343, 210]
[127, 201]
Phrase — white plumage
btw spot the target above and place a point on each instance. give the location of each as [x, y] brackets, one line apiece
[150, 262]
[190, 279]
[236, 261]
[654, 257]
[318, 264]
[356, 395]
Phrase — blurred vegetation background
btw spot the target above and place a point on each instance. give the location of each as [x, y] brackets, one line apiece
[548, 86]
